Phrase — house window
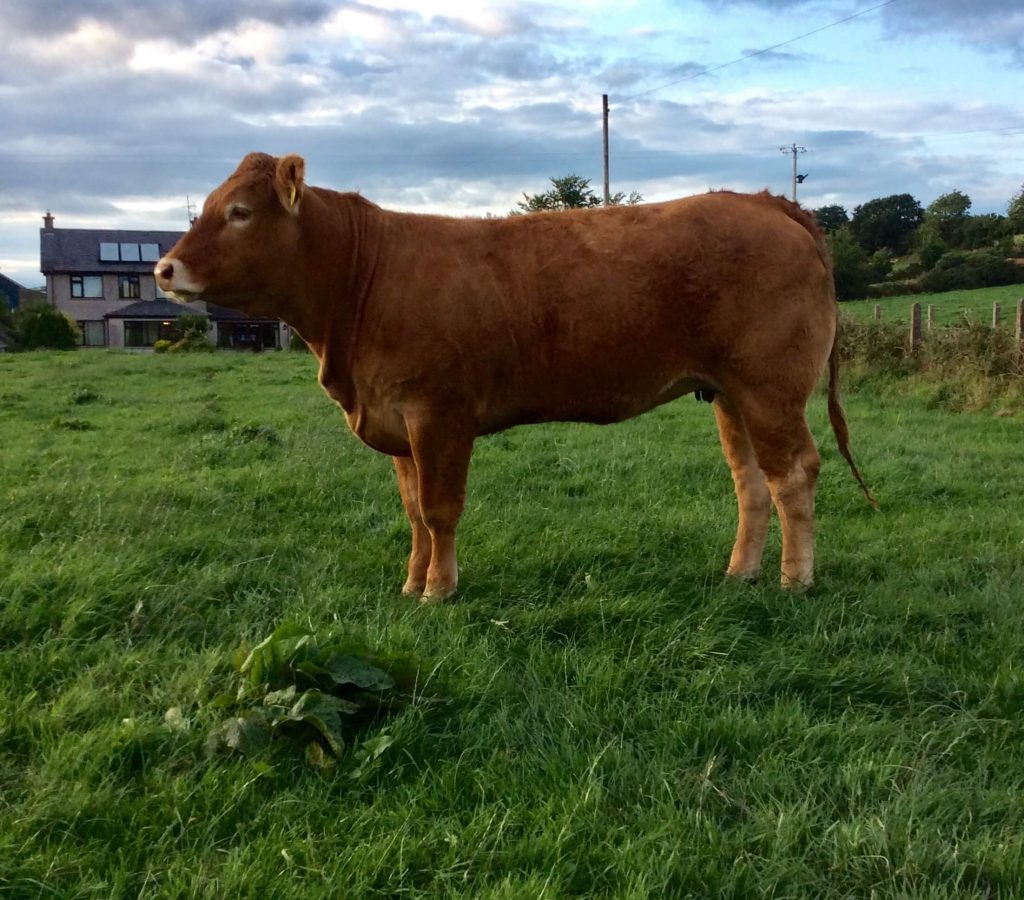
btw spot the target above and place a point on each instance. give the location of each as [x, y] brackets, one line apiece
[93, 334]
[84, 286]
[128, 287]
[147, 333]
[248, 336]
[129, 252]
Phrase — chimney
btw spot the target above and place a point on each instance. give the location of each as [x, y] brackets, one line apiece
[48, 221]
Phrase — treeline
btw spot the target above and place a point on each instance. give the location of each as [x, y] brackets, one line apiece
[892, 245]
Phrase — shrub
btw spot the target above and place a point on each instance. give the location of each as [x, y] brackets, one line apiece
[849, 265]
[931, 252]
[39, 326]
[193, 330]
[161, 346]
[192, 342]
[880, 264]
[297, 343]
[972, 348]
[896, 288]
[962, 270]
[881, 346]
[969, 356]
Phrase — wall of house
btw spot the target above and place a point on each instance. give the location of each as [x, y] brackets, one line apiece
[83, 309]
[115, 332]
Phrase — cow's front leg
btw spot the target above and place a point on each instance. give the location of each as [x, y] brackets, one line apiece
[419, 556]
[441, 452]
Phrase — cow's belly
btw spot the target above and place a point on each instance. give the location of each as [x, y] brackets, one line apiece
[601, 406]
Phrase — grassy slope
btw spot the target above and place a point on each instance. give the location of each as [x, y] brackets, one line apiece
[623, 723]
[950, 307]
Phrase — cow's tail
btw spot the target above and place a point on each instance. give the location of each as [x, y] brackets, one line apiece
[835, 408]
[838, 418]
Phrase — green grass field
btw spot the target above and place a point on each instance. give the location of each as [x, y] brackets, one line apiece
[950, 307]
[620, 721]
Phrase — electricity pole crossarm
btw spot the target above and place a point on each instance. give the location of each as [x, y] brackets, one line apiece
[795, 151]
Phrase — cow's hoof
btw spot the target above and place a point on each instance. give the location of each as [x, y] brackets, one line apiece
[413, 588]
[436, 595]
[748, 576]
[798, 585]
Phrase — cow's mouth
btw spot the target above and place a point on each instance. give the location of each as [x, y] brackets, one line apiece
[183, 296]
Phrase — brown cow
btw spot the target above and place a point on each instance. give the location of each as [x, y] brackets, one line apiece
[433, 330]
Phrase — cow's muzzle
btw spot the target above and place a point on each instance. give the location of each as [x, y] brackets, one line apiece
[174, 278]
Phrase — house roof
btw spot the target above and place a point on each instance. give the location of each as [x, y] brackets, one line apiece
[169, 309]
[78, 249]
[223, 314]
[10, 290]
[156, 309]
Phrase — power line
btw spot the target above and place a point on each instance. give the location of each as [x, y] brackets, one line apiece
[756, 53]
[708, 71]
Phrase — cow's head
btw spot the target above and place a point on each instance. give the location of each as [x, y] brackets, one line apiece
[241, 252]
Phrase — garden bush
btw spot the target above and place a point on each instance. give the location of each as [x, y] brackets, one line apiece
[39, 326]
[962, 270]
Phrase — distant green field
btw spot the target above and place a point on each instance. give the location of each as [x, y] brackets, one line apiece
[620, 722]
[949, 307]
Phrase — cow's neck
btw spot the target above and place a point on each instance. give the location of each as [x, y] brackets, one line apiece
[341, 243]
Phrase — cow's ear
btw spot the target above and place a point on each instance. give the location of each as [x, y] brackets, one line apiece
[289, 180]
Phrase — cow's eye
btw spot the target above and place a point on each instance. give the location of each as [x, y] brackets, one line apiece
[239, 213]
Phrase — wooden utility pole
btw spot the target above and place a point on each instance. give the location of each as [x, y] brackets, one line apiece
[607, 179]
[796, 151]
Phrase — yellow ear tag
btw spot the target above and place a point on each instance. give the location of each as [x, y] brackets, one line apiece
[293, 195]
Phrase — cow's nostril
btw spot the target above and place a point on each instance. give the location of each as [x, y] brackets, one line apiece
[167, 272]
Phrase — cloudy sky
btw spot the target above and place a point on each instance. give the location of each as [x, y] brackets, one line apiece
[114, 112]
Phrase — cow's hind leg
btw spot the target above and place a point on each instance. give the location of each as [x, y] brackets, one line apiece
[789, 460]
[752, 495]
[419, 557]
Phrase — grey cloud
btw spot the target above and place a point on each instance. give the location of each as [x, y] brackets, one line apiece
[176, 20]
[987, 24]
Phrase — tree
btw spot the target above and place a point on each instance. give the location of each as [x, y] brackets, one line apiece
[1015, 212]
[887, 222]
[946, 216]
[930, 250]
[985, 230]
[832, 218]
[39, 326]
[570, 192]
[850, 266]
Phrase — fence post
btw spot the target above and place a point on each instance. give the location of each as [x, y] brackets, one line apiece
[931, 316]
[878, 312]
[1020, 322]
[915, 326]
[997, 314]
